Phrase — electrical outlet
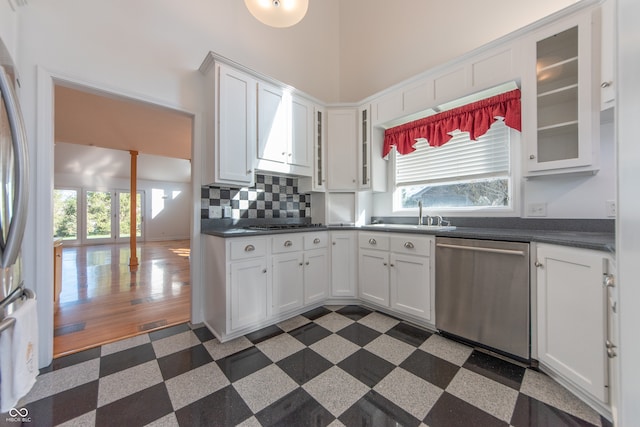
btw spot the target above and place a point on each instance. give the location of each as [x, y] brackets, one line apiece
[215, 212]
[610, 208]
[537, 209]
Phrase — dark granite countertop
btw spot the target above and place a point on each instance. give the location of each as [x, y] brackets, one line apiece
[602, 240]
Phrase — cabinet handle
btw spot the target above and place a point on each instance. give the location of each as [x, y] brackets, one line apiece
[408, 245]
[538, 264]
[316, 240]
[531, 156]
[605, 85]
[249, 248]
[609, 344]
[288, 243]
[372, 241]
[611, 353]
[608, 281]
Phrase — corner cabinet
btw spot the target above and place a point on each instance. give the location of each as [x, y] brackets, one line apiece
[342, 156]
[572, 317]
[560, 98]
[230, 124]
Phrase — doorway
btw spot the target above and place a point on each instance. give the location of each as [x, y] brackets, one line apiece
[101, 299]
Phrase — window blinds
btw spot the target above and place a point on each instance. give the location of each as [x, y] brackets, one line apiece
[459, 160]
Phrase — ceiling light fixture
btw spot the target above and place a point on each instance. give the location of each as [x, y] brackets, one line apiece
[278, 13]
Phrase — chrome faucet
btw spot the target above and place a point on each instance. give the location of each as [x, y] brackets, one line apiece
[419, 212]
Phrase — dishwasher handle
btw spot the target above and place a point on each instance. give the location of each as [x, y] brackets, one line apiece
[481, 249]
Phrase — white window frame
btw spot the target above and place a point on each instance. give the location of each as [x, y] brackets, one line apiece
[515, 186]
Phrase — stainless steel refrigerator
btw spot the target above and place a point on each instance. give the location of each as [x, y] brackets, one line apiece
[14, 175]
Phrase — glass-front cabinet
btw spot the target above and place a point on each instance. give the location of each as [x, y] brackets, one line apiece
[319, 171]
[560, 107]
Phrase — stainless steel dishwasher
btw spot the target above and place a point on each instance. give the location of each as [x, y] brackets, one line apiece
[482, 293]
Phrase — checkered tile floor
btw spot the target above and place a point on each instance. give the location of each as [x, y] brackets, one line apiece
[331, 366]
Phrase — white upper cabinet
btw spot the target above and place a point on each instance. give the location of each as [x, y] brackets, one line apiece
[560, 117]
[231, 125]
[302, 133]
[342, 146]
[468, 75]
[607, 54]
[372, 173]
[285, 131]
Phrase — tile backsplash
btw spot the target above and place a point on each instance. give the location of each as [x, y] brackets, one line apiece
[271, 197]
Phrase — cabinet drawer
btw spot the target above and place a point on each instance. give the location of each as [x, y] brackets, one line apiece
[289, 242]
[411, 244]
[315, 240]
[247, 248]
[373, 241]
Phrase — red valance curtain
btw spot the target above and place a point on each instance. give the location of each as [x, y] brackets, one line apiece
[475, 118]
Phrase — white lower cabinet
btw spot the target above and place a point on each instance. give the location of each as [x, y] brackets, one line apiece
[572, 316]
[410, 285]
[248, 299]
[344, 268]
[396, 272]
[374, 276]
[316, 276]
[287, 282]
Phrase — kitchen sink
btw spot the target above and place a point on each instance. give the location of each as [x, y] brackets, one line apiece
[413, 227]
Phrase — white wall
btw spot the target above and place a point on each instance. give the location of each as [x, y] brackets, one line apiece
[164, 219]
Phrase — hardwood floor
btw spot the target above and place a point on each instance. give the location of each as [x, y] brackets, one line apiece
[101, 301]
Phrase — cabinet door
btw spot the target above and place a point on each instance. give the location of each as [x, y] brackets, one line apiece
[236, 134]
[287, 282]
[607, 55]
[273, 134]
[342, 144]
[364, 149]
[248, 300]
[374, 276]
[571, 316]
[301, 133]
[316, 276]
[410, 285]
[343, 264]
[558, 97]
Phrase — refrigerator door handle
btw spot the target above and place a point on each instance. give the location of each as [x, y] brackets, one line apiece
[19, 142]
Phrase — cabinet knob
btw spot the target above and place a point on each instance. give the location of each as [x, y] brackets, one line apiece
[249, 172]
[605, 85]
[408, 245]
[384, 263]
[609, 344]
[290, 154]
[353, 180]
[538, 264]
[306, 263]
[300, 264]
[264, 270]
[531, 156]
[333, 243]
[316, 240]
[283, 153]
[288, 243]
[611, 353]
[372, 241]
[249, 248]
[391, 265]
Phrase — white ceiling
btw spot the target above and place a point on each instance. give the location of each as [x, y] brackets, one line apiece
[94, 133]
[83, 160]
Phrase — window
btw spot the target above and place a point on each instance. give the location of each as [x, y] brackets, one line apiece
[460, 175]
[65, 214]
